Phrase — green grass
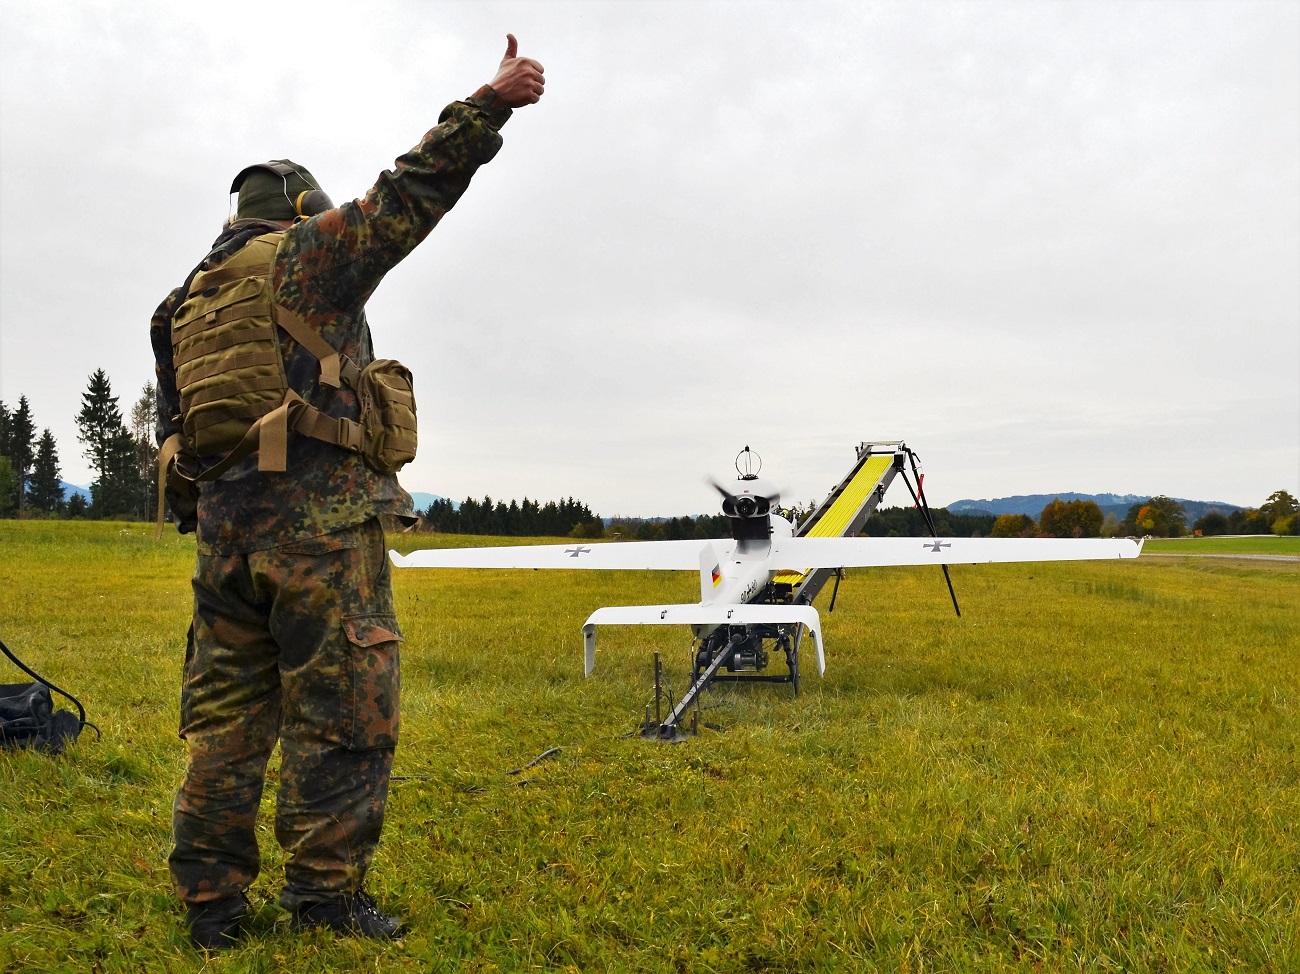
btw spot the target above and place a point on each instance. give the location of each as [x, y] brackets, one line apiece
[1095, 769]
[1254, 544]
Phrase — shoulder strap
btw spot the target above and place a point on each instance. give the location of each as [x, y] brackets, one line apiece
[310, 339]
[332, 363]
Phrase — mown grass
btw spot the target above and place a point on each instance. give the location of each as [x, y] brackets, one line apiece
[1254, 544]
[1093, 769]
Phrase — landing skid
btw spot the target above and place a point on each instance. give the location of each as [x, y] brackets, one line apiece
[737, 650]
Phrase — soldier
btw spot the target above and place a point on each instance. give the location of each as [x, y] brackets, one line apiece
[294, 635]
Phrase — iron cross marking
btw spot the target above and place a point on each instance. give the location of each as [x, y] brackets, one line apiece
[575, 552]
[936, 545]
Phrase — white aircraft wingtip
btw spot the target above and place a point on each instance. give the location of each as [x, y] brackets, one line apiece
[399, 561]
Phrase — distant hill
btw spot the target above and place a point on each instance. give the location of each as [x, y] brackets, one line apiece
[1117, 504]
[70, 489]
[422, 500]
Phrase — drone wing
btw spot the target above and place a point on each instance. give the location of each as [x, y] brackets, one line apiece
[652, 555]
[801, 554]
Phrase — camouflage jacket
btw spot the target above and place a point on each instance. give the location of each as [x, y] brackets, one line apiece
[325, 269]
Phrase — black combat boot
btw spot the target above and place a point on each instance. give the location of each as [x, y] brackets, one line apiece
[352, 913]
[215, 925]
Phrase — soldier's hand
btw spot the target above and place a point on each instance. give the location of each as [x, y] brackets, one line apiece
[519, 80]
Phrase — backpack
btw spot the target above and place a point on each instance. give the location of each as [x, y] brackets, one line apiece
[28, 718]
[234, 397]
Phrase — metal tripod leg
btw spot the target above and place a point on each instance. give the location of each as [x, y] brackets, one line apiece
[668, 729]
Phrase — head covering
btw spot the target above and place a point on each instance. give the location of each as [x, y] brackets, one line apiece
[275, 191]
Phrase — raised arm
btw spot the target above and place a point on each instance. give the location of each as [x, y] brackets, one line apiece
[345, 252]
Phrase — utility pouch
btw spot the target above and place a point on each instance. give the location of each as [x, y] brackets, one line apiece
[182, 495]
[176, 487]
[387, 397]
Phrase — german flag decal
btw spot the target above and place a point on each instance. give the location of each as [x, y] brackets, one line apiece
[717, 575]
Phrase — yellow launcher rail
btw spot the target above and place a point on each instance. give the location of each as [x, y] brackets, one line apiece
[840, 514]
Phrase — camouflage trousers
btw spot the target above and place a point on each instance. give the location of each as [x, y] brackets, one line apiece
[296, 643]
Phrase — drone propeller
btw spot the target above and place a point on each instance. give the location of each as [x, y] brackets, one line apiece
[747, 502]
[712, 482]
[733, 503]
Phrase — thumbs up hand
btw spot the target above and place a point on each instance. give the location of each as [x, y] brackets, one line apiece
[519, 80]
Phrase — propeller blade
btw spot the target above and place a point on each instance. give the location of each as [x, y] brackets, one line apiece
[718, 487]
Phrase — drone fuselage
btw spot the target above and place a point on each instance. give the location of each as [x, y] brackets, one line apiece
[743, 573]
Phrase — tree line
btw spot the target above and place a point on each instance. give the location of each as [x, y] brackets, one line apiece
[574, 519]
[1279, 514]
[1158, 517]
[566, 518]
[1059, 519]
[527, 518]
[909, 522]
[684, 528]
[122, 456]
[1163, 517]
[29, 466]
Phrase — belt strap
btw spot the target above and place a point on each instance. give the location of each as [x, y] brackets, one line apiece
[341, 432]
[269, 436]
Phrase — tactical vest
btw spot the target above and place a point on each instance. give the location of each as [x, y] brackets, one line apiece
[234, 397]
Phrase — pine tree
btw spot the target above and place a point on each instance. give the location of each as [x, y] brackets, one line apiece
[99, 419]
[116, 490]
[45, 491]
[22, 444]
[7, 494]
[77, 505]
[144, 421]
[6, 487]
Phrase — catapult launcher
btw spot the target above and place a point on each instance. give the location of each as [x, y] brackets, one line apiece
[742, 652]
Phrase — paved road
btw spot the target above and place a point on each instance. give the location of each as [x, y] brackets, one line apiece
[1216, 554]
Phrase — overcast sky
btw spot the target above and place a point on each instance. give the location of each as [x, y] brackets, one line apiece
[1053, 246]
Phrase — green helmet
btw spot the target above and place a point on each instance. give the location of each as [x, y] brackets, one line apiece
[278, 190]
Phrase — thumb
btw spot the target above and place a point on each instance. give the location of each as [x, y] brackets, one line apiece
[512, 46]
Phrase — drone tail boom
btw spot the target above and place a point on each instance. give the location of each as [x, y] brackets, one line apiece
[702, 617]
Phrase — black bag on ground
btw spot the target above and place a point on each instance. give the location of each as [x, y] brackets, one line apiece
[28, 717]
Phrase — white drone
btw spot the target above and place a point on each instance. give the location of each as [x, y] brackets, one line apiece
[760, 583]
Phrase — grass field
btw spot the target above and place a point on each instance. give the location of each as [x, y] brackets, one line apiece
[1094, 769]
[1253, 544]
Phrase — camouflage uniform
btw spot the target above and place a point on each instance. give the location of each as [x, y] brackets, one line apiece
[294, 634]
